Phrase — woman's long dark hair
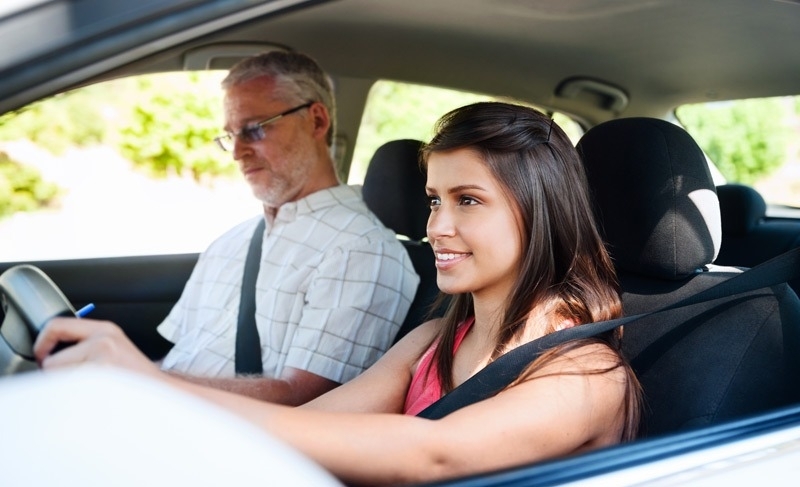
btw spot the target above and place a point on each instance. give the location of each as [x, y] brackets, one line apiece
[566, 271]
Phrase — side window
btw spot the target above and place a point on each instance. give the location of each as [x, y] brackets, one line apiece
[396, 110]
[753, 142]
[124, 167]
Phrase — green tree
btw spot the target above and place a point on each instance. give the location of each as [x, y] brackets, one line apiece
[746, 139]
[22, 188]
[172, 127]
[69, 119]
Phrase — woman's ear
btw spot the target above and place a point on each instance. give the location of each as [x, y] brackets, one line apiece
[566, 323]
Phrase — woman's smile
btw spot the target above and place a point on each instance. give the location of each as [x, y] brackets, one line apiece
[447, 259]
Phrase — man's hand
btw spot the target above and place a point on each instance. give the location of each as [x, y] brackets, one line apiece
[101, 342]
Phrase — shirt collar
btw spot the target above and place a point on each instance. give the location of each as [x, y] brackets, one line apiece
[319, 200]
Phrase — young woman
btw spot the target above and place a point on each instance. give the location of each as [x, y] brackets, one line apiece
[518, 252]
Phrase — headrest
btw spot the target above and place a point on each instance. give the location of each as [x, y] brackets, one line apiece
[742, 208]
[654, 196]
[394, 188]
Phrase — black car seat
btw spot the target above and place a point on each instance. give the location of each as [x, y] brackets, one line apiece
[748, 236]
[656, 204]
[394, 189]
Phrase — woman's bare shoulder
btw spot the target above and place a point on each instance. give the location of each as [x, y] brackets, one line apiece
[422, 335]
[593, 356]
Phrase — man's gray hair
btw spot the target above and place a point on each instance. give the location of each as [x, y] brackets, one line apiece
[298, 79]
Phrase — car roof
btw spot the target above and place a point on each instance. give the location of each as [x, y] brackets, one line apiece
[624, 58]
[660, 53]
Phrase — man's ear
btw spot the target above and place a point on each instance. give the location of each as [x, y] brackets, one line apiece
[321, 118]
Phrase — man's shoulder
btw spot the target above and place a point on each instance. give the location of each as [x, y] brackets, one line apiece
[348, 213]
[236, 236]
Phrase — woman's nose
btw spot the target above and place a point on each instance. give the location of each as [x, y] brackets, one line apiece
[440, 224]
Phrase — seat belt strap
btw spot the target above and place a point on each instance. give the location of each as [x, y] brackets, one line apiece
[248, 344]
[505, 369]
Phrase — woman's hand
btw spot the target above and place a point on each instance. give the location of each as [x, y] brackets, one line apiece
[100, 342]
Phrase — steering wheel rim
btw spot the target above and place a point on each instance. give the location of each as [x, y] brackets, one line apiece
[30, 299]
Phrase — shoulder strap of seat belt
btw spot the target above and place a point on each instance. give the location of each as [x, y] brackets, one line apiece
[248, 343]
[499, 374]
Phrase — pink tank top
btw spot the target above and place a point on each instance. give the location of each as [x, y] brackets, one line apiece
[425, 388]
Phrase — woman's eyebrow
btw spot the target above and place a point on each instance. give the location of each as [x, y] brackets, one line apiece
[466, 187]
[458, 189]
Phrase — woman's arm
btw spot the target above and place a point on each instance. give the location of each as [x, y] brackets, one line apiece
[546, 416]
[383, 387]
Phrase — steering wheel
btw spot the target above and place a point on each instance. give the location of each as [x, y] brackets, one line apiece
[30, 299]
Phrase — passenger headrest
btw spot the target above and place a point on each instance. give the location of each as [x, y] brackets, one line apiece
[394, 188]
[742, 208]
[654, 196]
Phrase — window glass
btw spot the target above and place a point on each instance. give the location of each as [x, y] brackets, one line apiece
[754, 142]
[397, 110]
[125, 167]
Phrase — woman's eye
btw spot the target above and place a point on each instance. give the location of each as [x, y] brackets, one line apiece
[467, 200]
[433, 202]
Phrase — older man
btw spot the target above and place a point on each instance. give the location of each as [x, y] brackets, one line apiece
[334, 285]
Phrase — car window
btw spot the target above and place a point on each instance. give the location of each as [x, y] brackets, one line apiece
[396, 110]
[753, 142]
[124, 167]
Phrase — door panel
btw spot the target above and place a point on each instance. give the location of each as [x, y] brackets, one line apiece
[137, 293]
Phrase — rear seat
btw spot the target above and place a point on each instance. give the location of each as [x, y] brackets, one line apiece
[394, 189]
[748, 236]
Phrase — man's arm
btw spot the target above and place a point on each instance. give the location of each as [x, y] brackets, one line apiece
[293, 388]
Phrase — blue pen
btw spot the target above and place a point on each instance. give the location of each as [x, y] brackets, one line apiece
[85, 310]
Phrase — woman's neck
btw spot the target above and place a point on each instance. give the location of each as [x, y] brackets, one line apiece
[489, 315]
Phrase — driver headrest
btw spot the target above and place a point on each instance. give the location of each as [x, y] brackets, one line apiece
[394, 188]
[654, 196]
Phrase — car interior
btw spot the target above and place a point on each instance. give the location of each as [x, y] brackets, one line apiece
[703, 364]
[672, 230]
[748, 236]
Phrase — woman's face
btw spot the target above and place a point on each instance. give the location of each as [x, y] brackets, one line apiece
[473, 226]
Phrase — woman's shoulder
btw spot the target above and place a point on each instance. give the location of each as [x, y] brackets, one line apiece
[421, 336]
[406, 353]
[584, 357]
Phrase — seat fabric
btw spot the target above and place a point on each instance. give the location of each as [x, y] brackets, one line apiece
[394, 189]
[656, 204]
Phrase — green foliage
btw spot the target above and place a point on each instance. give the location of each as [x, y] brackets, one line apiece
[746, 139]
[164, 123]
[69, 119]
[22, 188]
[172, 127]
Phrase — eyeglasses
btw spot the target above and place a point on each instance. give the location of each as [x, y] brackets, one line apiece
[254, 133]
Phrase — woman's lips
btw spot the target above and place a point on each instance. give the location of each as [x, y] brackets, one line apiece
[446, 259]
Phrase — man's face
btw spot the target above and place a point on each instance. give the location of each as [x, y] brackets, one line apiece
[279, 167]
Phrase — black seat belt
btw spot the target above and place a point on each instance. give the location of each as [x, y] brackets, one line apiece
[248, 343]
[499, 374]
